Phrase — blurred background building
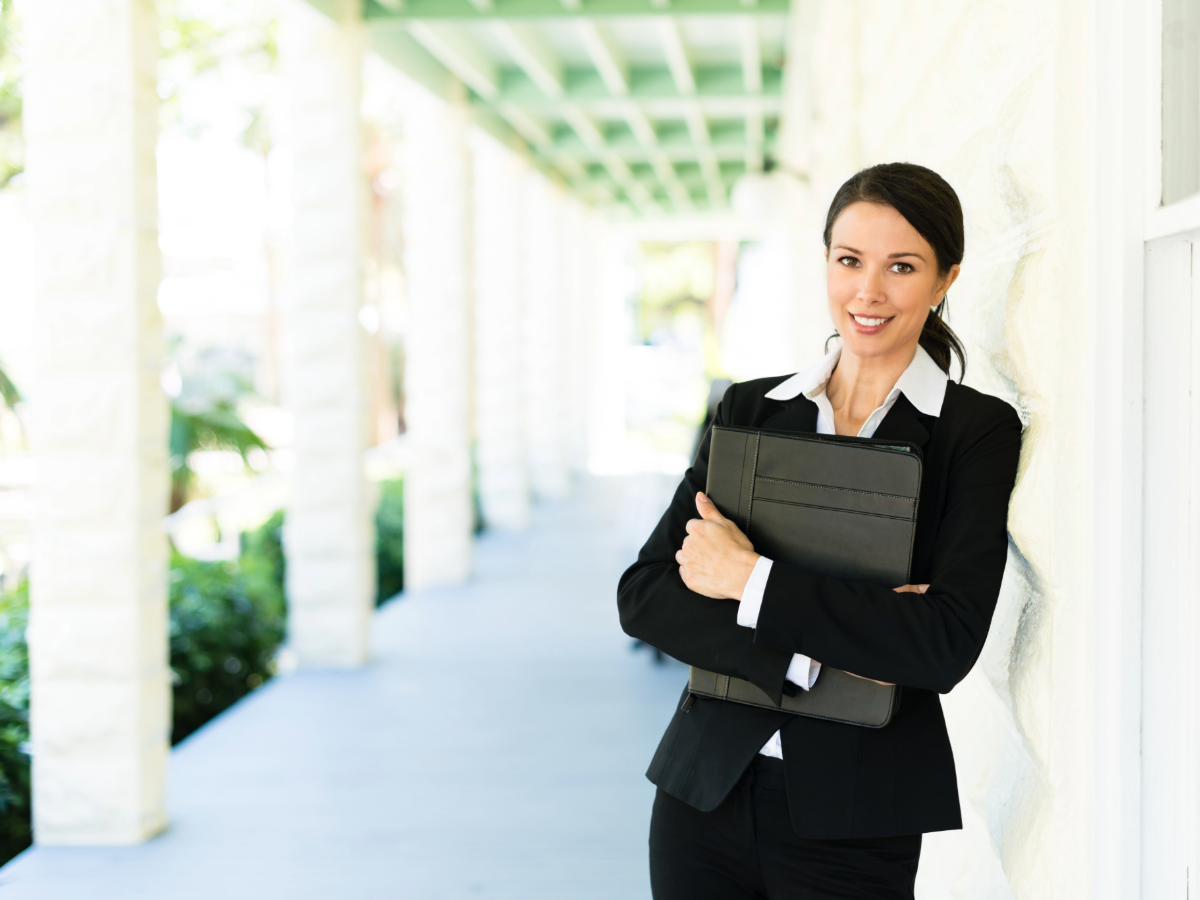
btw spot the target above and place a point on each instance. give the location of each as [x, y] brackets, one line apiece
[297, 300]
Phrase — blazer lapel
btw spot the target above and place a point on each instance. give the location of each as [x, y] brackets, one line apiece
[798, 415]
[902, 423]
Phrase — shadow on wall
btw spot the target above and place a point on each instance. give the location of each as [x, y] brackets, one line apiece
[989, 714]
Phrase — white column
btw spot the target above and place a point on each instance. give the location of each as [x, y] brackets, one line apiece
[329, 529]
[546, 391]
[615, 282]
[438, 516]
[98, 632]
[579, 298]
[499, 436]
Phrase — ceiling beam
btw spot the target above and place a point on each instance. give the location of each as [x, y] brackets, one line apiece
[461, 55]
[697, 125]
[606, 57]
[643, 130]
[592, 135]
[646, 84]
[694, 190]
[677, 56]
[380, 13]
[714, 186]
[712, 155]
[754, 141]
[670, 181]
[535, 131]
[640, 125]
[535, 58]
[588, 129]
[589, 140]
[752, 82]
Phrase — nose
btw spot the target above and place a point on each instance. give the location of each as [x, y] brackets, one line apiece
[870, 285]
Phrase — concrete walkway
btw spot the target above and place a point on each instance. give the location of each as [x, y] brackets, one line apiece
[495, 748]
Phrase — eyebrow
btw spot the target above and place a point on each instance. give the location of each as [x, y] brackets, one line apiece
[890, 256]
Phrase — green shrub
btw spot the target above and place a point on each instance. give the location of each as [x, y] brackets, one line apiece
[227, 620]
[389, 540]
[14, 723]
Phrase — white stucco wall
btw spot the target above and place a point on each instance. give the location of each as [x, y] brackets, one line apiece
[993, 95]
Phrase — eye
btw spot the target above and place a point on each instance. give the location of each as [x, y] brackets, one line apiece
[903, 268]
[848, 260]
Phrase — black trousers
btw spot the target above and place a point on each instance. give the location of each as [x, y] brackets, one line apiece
[746, 849]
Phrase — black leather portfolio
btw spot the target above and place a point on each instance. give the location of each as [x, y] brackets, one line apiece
[839, 506]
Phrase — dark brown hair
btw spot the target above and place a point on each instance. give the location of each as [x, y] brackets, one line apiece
[930, 205]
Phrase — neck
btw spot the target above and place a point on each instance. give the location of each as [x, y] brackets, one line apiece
[860, 384]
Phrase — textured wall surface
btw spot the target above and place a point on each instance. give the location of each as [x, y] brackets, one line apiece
[999, 111]
[98, 630]
[330, 529]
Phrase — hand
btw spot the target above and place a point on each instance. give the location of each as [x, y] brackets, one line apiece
[716, 559]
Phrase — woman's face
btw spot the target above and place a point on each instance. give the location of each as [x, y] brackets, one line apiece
[882, 279]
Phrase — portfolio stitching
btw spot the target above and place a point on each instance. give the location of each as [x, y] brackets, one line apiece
[828, 487]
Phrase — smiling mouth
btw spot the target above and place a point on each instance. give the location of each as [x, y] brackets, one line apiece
[871, 321]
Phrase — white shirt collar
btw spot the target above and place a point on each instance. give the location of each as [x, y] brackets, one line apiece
[923, 382]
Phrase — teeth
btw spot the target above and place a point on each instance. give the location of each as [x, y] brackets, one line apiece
[869, 323]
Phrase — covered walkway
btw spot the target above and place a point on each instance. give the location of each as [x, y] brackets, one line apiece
[494, 747]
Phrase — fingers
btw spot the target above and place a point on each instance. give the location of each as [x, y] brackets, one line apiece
[707, 509]
[864, 677]
[911, 589]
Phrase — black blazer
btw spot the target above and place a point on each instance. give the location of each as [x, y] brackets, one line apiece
[844, 781]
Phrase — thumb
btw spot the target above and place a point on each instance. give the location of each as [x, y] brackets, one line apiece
[707, 509]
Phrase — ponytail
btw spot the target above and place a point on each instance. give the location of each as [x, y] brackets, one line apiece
[940, 341]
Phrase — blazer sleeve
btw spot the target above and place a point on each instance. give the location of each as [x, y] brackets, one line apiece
[928, 640]
[657, 607]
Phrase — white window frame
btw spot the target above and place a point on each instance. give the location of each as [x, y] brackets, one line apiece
[1182, 218]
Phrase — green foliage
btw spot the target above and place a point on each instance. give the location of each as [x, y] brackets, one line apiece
[232, 42]
[227, 620]
[14, 723]
[266, 543]
[677, 280]
[12, 147]
[9, 394]
[212, 426]
[389, 540]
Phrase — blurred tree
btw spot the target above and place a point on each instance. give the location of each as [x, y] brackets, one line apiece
[14, 723]
[12, 147]
[203, 41]
[227, 620]
[676, 283]
[211, 426]
[9, 394]
[389, 540]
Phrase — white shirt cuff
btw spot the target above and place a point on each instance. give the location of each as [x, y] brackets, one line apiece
[752, 593]
[802, 670]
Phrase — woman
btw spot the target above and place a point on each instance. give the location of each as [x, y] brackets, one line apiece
[755, 803]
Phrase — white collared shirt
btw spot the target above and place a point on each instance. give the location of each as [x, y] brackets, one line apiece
[924, 384]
